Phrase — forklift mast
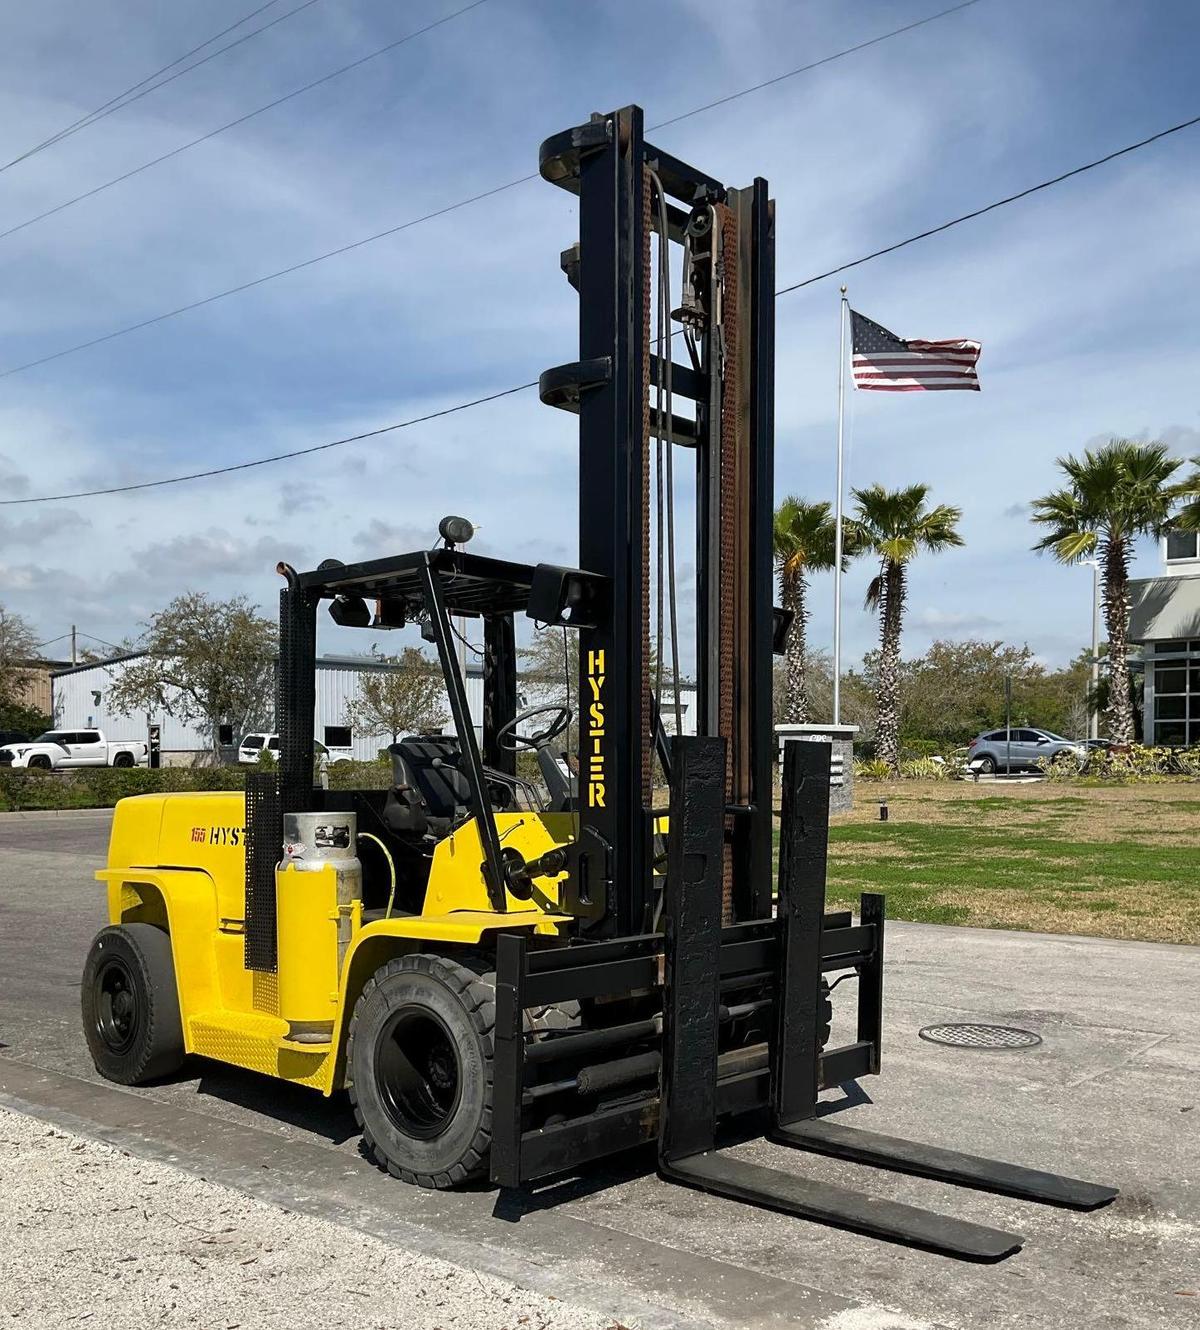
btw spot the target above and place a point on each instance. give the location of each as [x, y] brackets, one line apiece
[624, 387]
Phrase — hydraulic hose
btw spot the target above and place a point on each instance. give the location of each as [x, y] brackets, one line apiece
[387, 854]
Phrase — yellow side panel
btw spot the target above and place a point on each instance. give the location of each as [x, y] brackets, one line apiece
[204, 830]
[189, 898]
[456, 880]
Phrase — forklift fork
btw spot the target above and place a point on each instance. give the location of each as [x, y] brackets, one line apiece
[798, 1070]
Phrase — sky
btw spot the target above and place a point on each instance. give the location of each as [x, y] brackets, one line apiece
[1085, 297]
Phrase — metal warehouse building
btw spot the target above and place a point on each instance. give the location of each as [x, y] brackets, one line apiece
[79, 699]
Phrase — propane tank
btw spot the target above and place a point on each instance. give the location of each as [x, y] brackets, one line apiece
[318, 879]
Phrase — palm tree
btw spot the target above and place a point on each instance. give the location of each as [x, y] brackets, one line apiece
[896, 525]
[1188, 517]
[1115, 494]
[805, 538]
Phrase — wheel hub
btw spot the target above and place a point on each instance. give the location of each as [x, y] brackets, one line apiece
[117, 1014]
[419, 1072]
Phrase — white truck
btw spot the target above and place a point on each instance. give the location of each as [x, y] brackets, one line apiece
[65, 749]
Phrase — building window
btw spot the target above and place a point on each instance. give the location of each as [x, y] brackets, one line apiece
[225, 735]
[1177, 694]
[1183, 545]
[337, 736]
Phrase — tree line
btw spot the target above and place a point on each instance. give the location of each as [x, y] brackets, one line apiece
[211, 663]
[951, 693]
[1113, 495]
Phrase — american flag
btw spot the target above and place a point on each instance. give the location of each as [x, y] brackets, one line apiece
[883, 362]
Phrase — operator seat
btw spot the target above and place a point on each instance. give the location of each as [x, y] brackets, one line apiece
[428, 768]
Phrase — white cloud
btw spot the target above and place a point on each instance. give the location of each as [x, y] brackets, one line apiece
[952, 621]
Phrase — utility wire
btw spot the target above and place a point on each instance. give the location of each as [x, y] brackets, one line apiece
[91, 637]
[258, 281]
[522, 387]
[816, 64]
[241, 120]
[283, 457]
[426, 217]
[91, 115]
[119, 103]
[991, 207]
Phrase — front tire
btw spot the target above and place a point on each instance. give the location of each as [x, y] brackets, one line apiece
[40, 762]
[131, 1005]
[419, 1061]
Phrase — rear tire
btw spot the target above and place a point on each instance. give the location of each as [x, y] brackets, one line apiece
[419, 1061]
[123, 760]
[131, 1005]
[986, 764]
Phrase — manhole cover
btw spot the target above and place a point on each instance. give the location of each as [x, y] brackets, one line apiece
[971, 1035]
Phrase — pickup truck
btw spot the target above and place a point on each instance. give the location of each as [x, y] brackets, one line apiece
[64, 749]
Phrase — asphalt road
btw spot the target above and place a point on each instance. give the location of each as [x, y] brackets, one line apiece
[1111, 1094]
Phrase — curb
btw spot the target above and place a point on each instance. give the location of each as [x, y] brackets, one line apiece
[37, 814]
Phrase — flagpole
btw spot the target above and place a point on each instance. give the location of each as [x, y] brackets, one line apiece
[837, 551]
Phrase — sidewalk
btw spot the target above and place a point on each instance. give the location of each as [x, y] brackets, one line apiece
[90, 1236]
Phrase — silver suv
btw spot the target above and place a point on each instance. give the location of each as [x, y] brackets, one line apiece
[1019, 749]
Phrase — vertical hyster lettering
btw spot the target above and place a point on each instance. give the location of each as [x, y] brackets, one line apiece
[596, 756]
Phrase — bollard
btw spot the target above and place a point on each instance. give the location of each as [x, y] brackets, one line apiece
[883, 810]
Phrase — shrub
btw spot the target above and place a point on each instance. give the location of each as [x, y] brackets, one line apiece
[873, 769]
[103, 787]
[375, 775]
[924, 768]
[912, 749]
[1138, 762]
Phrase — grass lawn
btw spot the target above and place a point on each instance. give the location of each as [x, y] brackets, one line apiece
[1118, 861]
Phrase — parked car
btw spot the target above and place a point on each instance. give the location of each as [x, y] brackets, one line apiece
[59, 749]
[991, 750]
[252, 746]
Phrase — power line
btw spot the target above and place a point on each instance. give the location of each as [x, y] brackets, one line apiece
[119, 104]
[241, 120]
[283, 457]
[258, 281]
[816, 64]
[991, 207]
[91, 637]
[522, 387]
[91, 115]
[429, 216]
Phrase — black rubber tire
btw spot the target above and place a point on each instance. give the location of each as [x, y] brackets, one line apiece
[440, 993]
[145, 1043]
[123, 760]
[40, 762]
[987, 765]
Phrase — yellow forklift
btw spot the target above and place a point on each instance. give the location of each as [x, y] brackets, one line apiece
[515, 975]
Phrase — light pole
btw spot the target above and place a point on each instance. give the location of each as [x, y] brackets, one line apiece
[1093, 709]
[843, 308]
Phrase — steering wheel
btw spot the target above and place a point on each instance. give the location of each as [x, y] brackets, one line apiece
[510, 739]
